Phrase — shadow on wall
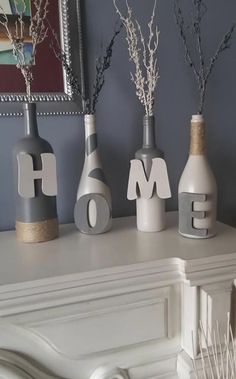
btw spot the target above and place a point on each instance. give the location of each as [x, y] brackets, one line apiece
[70, 160]
[225, 172]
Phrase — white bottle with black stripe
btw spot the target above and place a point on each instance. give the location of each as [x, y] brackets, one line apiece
[93, 207]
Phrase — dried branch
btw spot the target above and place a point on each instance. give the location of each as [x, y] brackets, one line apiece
[152, 71]
[180, 22]
[102, 64]
[62, 57]
[38, 29]
[38, 33]
[143, 55]
[201, 69]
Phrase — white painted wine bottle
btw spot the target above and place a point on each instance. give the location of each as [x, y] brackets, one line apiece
[197, 188]
[92, 211]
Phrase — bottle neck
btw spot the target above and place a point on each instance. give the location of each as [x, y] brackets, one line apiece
[90, 125]
[90, 135]
[148, 132]
[30, 115]
[197, 138]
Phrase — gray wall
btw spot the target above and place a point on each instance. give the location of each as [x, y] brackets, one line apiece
[119, 114]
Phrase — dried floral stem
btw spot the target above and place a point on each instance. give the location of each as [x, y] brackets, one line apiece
[37, 31]
[102, 64]
[201, 69]
[62, 57]
[143, 55]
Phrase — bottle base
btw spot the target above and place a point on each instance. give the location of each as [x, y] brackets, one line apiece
[150, 217]
[92, 233]
[197, 237]
[36, 232]
[150, 229]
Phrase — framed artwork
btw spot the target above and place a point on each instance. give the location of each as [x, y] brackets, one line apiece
[50, 87]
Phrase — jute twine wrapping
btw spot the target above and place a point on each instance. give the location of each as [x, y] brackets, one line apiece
[198, 140]
[37, 232]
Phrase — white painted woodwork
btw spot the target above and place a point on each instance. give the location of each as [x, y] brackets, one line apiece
[190, 319]
[13, 366]
[110, 373]
[215, 302]
[122, 305]
[122, 314]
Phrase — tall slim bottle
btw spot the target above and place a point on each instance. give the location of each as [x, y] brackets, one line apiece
[150, 212]
[35, 183]
[197, 188]
[92, 211]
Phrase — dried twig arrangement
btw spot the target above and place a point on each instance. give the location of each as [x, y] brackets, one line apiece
[102, 64]
[144, 56]
[202, 70]
[37, 33]
[217, 360]
[62, 57]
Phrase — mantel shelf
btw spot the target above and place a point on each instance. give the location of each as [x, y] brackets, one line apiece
[123, 249]
[128, 298]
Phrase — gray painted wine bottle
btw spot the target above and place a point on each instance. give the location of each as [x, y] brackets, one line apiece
[35, 183]
[150, 212]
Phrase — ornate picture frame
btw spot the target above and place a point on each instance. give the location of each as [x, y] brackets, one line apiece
[62, 102]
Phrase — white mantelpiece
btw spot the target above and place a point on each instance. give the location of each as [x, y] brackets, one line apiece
[121, 305]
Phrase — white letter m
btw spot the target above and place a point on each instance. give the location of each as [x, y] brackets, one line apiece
[141, 186]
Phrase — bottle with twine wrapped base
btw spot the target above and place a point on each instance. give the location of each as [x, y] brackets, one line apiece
[197, 188]
[35, 184]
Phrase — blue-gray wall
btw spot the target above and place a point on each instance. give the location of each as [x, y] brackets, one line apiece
[119, 115]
